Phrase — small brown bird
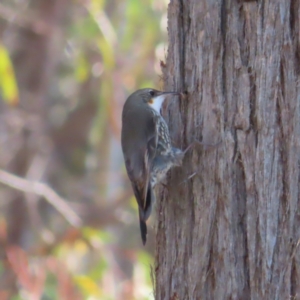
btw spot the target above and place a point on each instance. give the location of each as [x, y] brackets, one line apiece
[147, 148]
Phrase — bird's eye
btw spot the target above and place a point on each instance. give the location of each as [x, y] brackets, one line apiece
[152, 93]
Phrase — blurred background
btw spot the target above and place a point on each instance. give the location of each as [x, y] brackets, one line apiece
[68, 221]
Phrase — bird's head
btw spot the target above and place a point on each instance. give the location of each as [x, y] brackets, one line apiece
[152, 97]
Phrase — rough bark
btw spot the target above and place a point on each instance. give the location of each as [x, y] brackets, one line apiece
[228, 221]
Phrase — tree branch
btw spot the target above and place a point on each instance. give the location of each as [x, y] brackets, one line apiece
[43, 190]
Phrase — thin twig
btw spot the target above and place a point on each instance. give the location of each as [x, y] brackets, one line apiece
[41, 189]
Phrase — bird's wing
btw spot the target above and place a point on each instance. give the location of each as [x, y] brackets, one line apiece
[139, 168]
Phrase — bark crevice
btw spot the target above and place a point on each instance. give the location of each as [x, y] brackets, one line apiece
[226, 231]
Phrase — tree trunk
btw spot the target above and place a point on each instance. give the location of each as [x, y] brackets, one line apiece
[228, 221]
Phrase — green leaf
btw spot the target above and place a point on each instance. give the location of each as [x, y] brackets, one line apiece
[8, 84]
[82, 68]
[88, 286]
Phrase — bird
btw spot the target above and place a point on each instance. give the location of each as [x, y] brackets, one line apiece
[147, 149]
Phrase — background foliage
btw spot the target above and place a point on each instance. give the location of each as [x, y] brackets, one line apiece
[68, 221]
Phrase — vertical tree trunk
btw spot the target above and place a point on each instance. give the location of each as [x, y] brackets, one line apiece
[228, 223]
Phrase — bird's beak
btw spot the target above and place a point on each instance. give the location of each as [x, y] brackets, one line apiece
[169, 93]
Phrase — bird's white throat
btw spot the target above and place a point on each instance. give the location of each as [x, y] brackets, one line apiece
[157, 102]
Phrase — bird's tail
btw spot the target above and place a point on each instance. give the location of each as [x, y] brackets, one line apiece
[143, 226]
[144, 214]
[150, 200]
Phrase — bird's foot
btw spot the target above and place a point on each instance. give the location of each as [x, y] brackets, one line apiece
[206, 144]
[197, 142]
